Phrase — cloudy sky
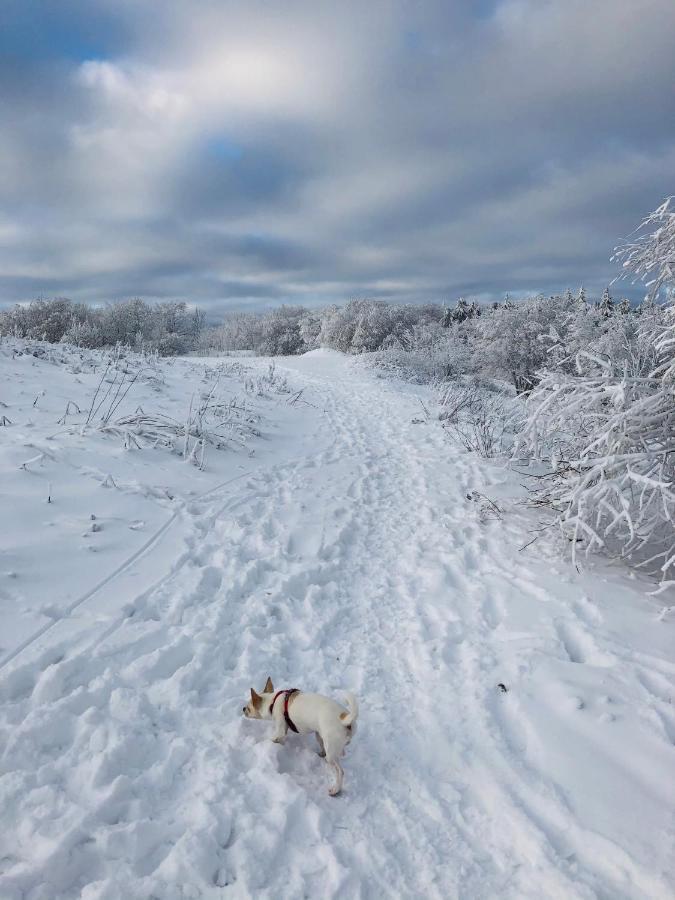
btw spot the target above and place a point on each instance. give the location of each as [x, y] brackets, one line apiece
[242, 154]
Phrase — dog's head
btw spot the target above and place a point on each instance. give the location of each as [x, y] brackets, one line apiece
[253, 708]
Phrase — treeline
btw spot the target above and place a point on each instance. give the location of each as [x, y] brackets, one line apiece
[170, 328]
[359, 326]
[507, 340]
[515, 342]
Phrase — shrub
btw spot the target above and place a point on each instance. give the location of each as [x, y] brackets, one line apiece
[608, 426]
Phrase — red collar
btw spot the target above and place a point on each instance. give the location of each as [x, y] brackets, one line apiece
[289, 693]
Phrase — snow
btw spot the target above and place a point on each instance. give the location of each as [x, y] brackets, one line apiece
[348, 553]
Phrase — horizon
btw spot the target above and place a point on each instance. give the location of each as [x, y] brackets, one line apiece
[241, 158]
[634, 291]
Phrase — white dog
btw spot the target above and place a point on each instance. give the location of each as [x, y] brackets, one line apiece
[333, 725]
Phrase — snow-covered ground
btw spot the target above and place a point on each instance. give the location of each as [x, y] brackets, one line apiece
[350, 551]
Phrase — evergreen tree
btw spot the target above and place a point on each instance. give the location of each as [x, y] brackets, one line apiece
[606, 304]
[461, 311]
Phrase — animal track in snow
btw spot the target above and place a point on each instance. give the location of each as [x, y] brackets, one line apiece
[580, 646]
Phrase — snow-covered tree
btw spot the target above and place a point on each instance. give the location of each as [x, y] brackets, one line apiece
[608, 428]
[649, 254]
[281, 331]
[461, 311]
[338, 324]
[606, 304]
[170, 327]
[514, 340]
[310, 329]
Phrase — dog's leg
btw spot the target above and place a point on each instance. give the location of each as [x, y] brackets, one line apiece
[335, 789]
[281, 732]
[322, 749]
[333, 744]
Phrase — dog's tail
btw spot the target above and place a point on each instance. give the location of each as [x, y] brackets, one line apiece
[348, 718]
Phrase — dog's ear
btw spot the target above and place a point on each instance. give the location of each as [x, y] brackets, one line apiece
[269, 687]
[256, 699]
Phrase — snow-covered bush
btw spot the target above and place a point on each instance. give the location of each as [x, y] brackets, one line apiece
[281, 332]
[172, 344]
[478, 415]
[515, 339]
[339, 324]
[237, 331]
[429, 353]
[168, 327]
[83, 334]
[608, 427]
[278, 332]
[366, 326]
[310, 329]
[45, 320]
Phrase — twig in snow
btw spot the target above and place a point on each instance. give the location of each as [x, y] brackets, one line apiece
[34, 459]
[90, 414]
[115, 401]
[488, 509]
[62, 420]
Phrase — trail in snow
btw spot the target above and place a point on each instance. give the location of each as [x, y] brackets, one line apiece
[129, 771]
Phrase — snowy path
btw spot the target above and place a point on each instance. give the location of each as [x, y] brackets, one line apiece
[129, 771]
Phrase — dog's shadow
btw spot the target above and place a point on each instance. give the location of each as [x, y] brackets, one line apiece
[300, 760]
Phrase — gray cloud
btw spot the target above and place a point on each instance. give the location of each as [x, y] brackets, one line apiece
[247, 154]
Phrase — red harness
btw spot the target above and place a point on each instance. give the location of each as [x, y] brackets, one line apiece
[288, 696]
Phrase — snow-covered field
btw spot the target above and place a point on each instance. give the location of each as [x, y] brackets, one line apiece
[336, 541]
